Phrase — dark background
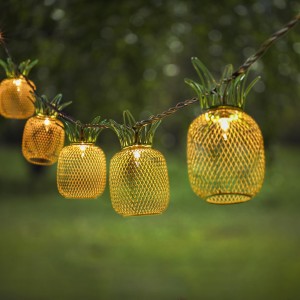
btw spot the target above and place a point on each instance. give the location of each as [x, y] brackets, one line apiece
[107, 56]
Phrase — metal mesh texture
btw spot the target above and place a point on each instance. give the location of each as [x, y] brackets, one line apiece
[16, 99]
[81, 171]
[225, 156]
[139, 182]
[43, 139]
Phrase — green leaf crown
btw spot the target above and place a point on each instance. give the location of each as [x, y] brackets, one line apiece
[50, 108]
[14, 71]
[227, 92]
[130, 135]
[79, 133]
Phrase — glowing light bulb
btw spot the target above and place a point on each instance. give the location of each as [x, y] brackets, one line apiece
[47, 123]
[224, 123]
[136, 155]
[17, 83]
[82, 148]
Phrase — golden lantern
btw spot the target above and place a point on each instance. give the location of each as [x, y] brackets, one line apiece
[138, 175]
[16, 93]
[43, 139]
[225, 151]
[81, 171]
[81, 168]
[44, 135]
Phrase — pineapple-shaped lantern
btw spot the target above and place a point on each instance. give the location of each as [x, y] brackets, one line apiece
[81, 168]
[138, 175]
[225, 151]
[44, 135]
[16, 91]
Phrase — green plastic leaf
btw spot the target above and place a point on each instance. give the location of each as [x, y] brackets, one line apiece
[200, 91]
[251, 85]
[128, 118]
[27, 67]
[52, 108]
[4, 66]
[129, 134]
[64, 105]
[22, 66]
[228, 91]
[198, 88]
[206, 78]
[85, 133]
[224, 80]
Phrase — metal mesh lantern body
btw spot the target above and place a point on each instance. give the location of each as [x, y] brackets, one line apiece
[139, 183]
[43, 139]
[81, 171]
[225, 153]
[16, 99]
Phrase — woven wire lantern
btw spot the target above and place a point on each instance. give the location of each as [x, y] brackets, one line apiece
[81, 168]
[138, 177]
[43, 139]
[81, 171]
[44, 135]
[16, 93]
[225, 151]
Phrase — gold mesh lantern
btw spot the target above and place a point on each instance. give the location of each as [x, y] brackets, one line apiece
[43, 139]
[225, 155]
[81, 168]
[81, 171]
[16, 98]
[138, 177]
[44, 135]
[225, 151]
[138, 181]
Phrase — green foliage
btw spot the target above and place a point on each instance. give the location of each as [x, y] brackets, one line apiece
[130, 135]
[13, 71]
[124, 49]
[227, 91]
[77, 132]
[192, 251]
[50, 108]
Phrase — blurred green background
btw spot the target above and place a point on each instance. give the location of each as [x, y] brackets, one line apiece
[116, 55]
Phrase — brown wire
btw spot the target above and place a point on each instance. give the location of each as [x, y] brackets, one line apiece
[242, 69]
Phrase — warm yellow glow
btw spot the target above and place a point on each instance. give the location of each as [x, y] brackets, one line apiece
[136, 154]
[225, 172]
[40, 146]
[47, 121]
[234, 116]
[82, 149]
[224, 123]
[81, 171]
[16, 98]
[225, 136]
[17, 82]
[139, 182]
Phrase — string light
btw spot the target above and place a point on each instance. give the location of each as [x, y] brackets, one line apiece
[231, 151]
